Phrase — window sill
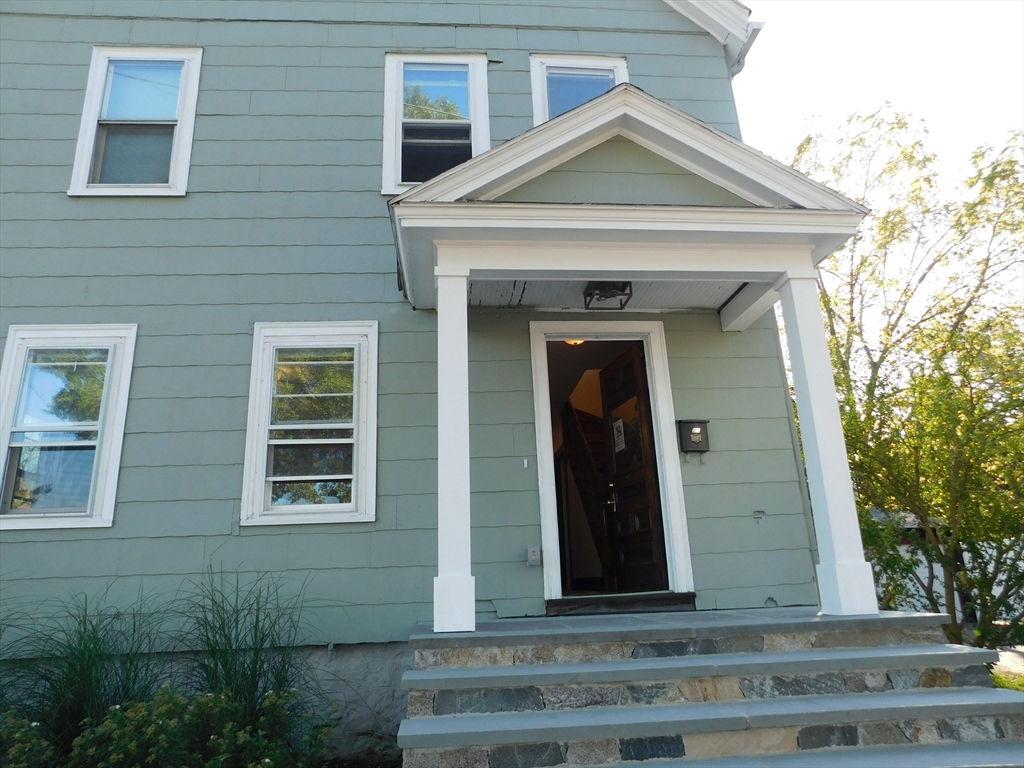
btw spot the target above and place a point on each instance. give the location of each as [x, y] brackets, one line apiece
[309, 518]
[10, 522]
[128, 190]
[397, 189]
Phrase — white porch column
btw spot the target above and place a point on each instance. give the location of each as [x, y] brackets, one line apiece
[454, 588]
[845, 583]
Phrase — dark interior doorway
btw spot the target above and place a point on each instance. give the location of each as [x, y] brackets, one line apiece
[611, 531]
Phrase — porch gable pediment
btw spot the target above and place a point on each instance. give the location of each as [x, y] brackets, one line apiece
[683, 142]
[621, 172]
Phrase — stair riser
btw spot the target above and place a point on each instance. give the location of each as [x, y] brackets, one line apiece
[697, 689]
[569, 653]
[788, 739]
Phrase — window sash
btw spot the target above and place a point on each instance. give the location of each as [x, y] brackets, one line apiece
[409, 160]
[311, 471]
[543, 66]
[112, 159]
[80, 458]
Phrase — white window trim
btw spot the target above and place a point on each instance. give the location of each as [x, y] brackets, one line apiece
[270, 336]
[479, 111]
[539, 76]
[120, 339]
[181, 150]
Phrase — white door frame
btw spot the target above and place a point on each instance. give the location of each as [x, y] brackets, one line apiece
[670, 480]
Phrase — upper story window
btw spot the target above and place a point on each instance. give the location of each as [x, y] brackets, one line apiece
[64, 395]
[561, 83]
[136, 132]
[435, 116]
[310, 447]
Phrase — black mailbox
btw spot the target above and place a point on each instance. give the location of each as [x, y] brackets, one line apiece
[693, 436]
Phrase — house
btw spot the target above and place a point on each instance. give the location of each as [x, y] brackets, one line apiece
[433, 306]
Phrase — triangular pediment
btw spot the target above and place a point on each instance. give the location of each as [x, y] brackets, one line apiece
[621, 172]
[693, 157]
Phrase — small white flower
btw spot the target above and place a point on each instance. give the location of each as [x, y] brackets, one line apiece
[35, 725]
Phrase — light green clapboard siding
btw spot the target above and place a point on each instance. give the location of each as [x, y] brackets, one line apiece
[284, 221]
[621, 171]
[734, 380]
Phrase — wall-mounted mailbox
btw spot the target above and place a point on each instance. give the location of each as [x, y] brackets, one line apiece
[693, 436]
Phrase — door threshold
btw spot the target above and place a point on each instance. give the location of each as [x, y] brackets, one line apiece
[641, 602]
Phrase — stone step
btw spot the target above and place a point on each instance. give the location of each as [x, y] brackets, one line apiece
[679, 667]
[662, 682]
[573, 639]
[991, 754]
[719, 728]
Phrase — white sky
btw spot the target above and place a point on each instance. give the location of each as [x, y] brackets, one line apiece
[958, 64]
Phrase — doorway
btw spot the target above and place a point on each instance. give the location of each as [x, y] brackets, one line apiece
[608, 340]
[610, 526]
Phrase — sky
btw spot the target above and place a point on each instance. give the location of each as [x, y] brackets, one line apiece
[957, 64]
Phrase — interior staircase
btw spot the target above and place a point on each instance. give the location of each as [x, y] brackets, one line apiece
[771, 687]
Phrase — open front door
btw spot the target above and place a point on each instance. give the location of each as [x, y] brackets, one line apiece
[636, 533]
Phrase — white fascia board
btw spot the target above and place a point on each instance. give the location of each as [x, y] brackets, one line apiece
[463, 216]
[722, 19]
[629, 112]
[424, 229]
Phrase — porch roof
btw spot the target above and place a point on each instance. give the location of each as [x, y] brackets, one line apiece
[458, 220]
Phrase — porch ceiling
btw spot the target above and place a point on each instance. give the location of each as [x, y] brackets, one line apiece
[568, 294]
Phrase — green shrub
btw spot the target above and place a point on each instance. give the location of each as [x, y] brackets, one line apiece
[200, 732]
[22, 744]
[74, 666]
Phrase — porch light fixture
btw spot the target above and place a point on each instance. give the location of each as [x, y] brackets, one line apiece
[574, 342]
[607, 295]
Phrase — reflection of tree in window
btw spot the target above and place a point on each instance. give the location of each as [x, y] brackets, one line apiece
[80, 398]
[55, 431]
[419, 106]
[313, 386]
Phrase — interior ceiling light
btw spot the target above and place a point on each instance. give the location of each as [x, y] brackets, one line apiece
[607, 294]
[574, 342]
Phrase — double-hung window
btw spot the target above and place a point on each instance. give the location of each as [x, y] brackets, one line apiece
[562, 83]
[137, 123]
[435, 116]
[311, 441]
[64, 396]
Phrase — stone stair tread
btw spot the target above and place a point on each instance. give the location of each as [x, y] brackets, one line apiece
[642, 627]
[985, 754]
[605, 722]
[711, 665]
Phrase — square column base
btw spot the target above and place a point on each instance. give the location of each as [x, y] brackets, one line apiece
[847, 589]
[454, 604]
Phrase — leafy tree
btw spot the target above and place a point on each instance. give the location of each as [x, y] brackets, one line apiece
[923, 312]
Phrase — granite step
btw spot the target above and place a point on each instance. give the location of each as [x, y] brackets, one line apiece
[574, 639]
[719, 665]
[607, 735]
[993, 754]
[660, 682]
